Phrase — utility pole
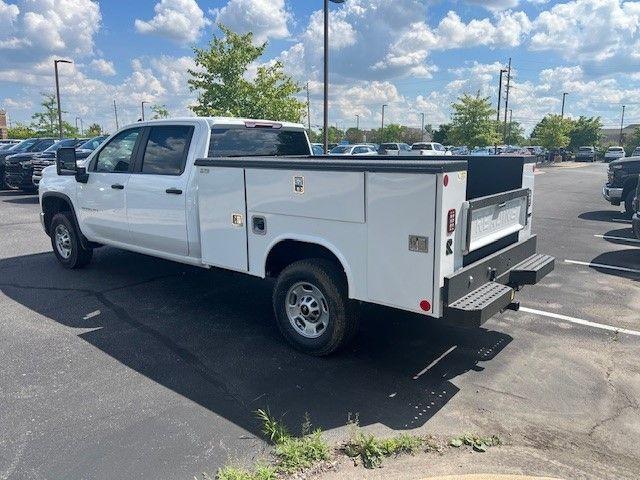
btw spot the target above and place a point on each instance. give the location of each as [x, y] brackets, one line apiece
[622, 124]
[506, 103]
[308, 109]
[502, 71]
[115, 111]
[564, 96]
[422, 131]
[510, 120]
[55, 68]
[357, 123]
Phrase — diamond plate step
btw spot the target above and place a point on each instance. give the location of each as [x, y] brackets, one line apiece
[478, 306]
[531, 270]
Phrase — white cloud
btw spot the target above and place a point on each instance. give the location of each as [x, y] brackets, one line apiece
[265, 18]
[103, 66]
[495, 4]
[180, 20]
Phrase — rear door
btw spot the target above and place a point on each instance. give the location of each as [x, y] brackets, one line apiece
[156, 193]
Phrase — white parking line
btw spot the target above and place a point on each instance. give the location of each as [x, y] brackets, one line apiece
[600, 265]
[622, 239]
[580, 321]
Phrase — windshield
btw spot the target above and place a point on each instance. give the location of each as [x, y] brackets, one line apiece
[342, 149]
[23, 146]
[70, 142]
[389, 146]
[93, 143]
[256, 142]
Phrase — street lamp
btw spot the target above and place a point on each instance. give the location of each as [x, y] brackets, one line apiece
[422, 131]
[382, 128]
[622, 124]
[55, 68]
[357, 123]
[325, 132]
[143, 110]
[564, 95]
[81, 127]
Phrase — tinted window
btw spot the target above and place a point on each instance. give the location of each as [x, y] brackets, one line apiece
[93, 143]
[246, 142]
[341, 150]
[439, 148]
[62, 143]
[42, 145]
[389, 146]
[116, 155]
[166, 150]
[405, 147]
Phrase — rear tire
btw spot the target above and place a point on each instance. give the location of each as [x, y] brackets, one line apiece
[65, 240]
[312, 309]
[628, 202]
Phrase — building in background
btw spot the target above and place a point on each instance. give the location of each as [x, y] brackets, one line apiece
[4, 131]
[611, 136]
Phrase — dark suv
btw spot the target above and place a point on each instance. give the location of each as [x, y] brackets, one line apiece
[28, 146]
[622, 182]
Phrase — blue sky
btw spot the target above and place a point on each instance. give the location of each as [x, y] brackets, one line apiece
[414, 55]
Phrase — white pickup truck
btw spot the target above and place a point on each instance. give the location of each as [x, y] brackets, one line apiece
[443, 238]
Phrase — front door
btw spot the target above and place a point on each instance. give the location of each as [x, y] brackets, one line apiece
[102, 213]
[157, 190]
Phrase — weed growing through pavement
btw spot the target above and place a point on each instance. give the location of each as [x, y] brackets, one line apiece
[478, 443]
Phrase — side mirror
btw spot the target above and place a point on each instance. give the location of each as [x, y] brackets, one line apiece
[66, 161]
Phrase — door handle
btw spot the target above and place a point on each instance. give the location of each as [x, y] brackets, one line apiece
[175, 191]
[117, 186]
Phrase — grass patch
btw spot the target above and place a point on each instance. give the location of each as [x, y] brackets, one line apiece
[294, 454]
[477, 442]
[261, 472]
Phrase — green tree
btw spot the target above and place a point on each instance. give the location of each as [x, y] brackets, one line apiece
[552, 132]
[354, 135]
[335, 135]
[585, 132]
[223, 88]
[159, 111]
[472, 124]
[45, 122]
[515, 134]
[633, 141]
[21, 131]
[94, 130]
[391, 133]
[442, 134]
[411, 135]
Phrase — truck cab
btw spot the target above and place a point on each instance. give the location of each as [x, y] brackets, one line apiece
[444, 238]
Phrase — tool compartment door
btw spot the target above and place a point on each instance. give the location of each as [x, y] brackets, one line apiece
[223, 217]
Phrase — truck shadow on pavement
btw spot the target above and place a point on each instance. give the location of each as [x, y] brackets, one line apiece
[210, 336]
[605, 216]
[626, 259]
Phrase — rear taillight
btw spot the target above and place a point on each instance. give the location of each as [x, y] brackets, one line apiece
[451, 221]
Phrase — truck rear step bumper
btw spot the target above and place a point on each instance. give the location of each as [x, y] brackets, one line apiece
[480, 290]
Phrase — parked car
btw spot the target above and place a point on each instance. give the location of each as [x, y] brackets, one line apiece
[483, 151]
[586, 154]
[358, 149]
[42, 160]
[394, 149]
[317, 149]
[559, 155]
[614, 153]
[622, 182]
[635, 220]
[20, 152]
[8, 142]
[429, 148]
[463, 150]
[636, 152]
[305, 222]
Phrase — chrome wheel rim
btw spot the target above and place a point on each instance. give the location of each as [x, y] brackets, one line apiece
[307, 310]
[63, 241]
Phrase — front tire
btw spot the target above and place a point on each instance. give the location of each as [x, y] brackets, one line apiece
[628, 202]
[312, 309]
[65, 240]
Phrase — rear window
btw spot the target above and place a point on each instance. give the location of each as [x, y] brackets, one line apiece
[586, 149]
[252, 142]
[615, 149]
[389, 146]
[341, 150]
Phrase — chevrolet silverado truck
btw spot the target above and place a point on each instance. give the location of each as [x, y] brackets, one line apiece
[622, 179]
[445, 238]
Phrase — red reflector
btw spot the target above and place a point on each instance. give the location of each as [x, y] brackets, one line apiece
[446, 180]
[425, 305]
[451, 221]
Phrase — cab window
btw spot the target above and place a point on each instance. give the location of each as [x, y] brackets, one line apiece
[166, 150]
[115, 156]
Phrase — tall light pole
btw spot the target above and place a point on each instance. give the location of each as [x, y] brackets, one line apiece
[564, 96]
[357, 123]
[506, 99]
[502, 72]
[308, 108]
[622, 123]
[55, 68]
[115, 111]
[143, 110]
[325, 123]
[81, 128]
[382, 127]
[422, 131]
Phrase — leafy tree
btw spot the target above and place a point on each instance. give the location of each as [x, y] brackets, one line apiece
[335, 135]
[45, 123]
[633, 141]
[354, 135]
[585, 132]
[472, 124]
[411, 135]
[552, 132]
[515, 134]
[94, 130]
[391, 133]
[442, 134]
[159, 111]
[21, 131]
[223, 88]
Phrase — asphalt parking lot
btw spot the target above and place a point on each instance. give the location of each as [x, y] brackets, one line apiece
[140, 368]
